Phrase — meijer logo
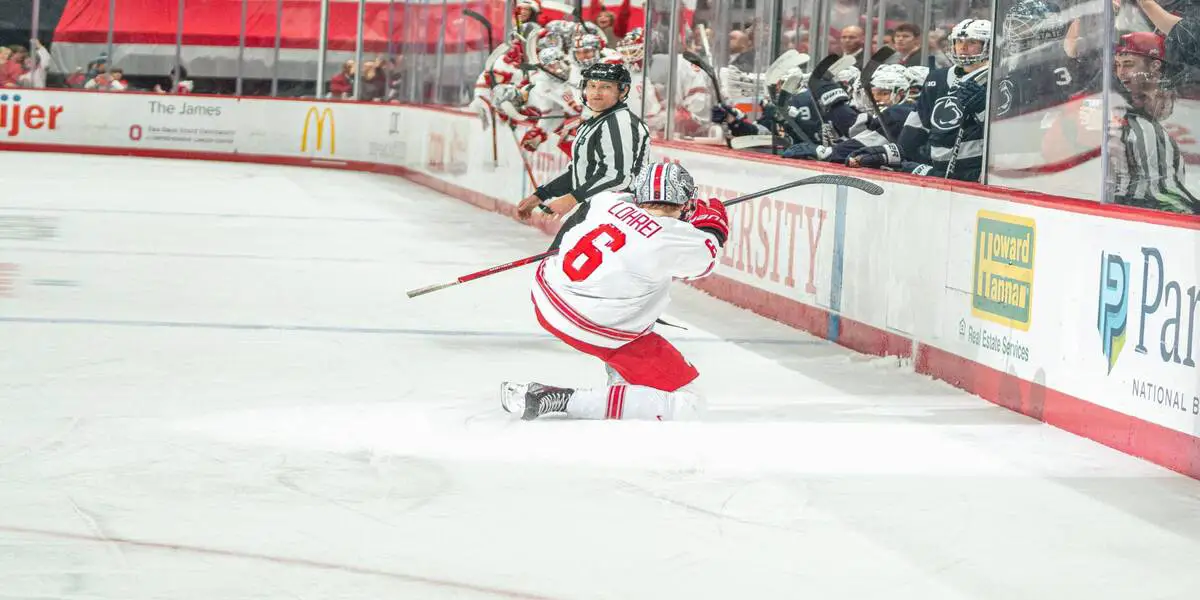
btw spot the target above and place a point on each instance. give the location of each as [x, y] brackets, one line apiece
[1113, 312]
[318, 118]
[1002, 289]
[14, 115]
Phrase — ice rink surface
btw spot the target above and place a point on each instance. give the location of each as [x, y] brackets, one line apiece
[212, 387]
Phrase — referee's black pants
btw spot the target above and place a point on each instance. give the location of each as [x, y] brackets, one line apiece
[576, 218]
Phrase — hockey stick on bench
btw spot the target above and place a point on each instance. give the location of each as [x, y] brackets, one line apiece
[846, 180]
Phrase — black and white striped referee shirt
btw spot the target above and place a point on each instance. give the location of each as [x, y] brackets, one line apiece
[1147, 168]
[608, 153]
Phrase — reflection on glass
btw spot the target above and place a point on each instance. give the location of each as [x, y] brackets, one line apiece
[1037, 72]
[1146, 134]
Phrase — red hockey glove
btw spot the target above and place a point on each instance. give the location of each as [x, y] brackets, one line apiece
[709, 215]
[533, 138]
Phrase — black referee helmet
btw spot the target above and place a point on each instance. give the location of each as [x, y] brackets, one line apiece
[616, 73]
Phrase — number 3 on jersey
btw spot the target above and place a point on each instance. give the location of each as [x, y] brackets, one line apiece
[592, 255]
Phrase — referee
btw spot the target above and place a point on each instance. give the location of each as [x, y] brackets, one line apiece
[608, 151]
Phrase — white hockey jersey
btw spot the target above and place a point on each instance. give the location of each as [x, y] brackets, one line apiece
[551, 95]
[611, 278]
[653, 112]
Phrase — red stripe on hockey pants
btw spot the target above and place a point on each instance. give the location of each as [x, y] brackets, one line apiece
[649, 360]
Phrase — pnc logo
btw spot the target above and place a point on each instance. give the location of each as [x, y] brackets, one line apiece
[14, 115]
[319, 118]
[1112, 315]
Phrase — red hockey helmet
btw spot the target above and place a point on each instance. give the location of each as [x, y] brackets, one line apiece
[1142, 43]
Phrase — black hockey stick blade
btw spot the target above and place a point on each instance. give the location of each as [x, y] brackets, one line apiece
[822, 68]
[846, 180]
[881, 56]
[482, 21]
[703, 65]
[670, 324]
[857, 183]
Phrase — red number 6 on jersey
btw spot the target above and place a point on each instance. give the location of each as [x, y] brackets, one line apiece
[593, 256]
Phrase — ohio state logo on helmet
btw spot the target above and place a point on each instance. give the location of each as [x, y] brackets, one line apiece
[666, 183]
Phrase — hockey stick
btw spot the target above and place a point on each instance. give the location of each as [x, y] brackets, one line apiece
[712, 77]
[482, 21]
[846, 180]
[480, 274]
[878, 59]
[704, 42]
[836, 63]
[703, 65]
[959, 136]
[487, 26]
[528, 168]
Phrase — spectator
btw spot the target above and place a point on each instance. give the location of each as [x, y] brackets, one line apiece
[113, 81]
[906, 41]
[5, 54]
[77, 79]
[938, 58]
[35, 66]
[741, 51]
[606, 21]
[184, 85]
[845, 13]
[342, 84]
[374, 85]
[13, 67]
[1182, 45]
[852, 41]
[889, 38]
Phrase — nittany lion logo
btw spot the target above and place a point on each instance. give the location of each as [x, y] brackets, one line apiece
[1007, 92]
[947, 115]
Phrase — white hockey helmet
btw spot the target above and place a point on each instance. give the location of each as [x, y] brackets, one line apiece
[969, 30]
[916, 81]
[917, 76]
[665, 183]
[554, 61]
[633, 47]
[587, 50]
[565, 30]
[847, 77]
[612, 57]
[892, 79]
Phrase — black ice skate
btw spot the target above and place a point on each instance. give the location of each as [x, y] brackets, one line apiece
[533, 400]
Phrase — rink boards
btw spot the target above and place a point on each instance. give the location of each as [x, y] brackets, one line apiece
[1080, 315]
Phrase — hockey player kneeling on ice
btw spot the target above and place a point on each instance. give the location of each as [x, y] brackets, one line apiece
[603, 293]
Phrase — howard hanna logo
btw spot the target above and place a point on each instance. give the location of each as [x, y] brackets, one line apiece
[1002, 289]
[1168, 309]
[319, 117]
